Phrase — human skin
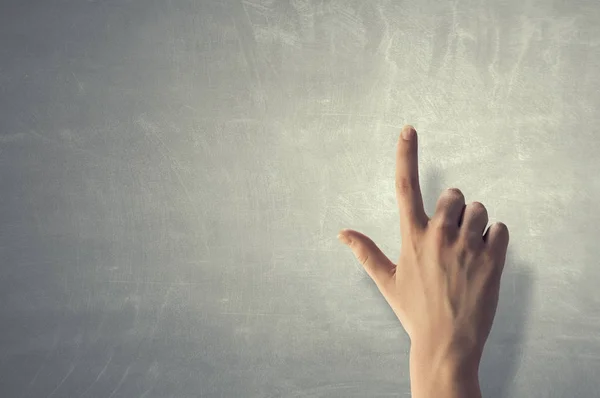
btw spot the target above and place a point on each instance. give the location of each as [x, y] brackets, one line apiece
[445, 287]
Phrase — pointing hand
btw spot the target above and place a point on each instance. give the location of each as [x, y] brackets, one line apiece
[444, 288]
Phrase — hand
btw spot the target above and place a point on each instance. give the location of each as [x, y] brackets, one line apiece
[445, 287]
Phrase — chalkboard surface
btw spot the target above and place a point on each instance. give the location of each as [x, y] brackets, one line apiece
[173, 175]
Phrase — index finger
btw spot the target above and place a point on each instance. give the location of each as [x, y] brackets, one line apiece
[408, 190]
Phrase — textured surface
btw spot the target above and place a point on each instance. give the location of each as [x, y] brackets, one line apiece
[173, 175]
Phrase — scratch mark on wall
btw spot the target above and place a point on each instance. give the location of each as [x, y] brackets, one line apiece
[62, 381]
[524, 50]
[120, 382]
[245, 34]
[161, 311]
[79, 84]
[146, 392]
[99, 375]
[50, 353]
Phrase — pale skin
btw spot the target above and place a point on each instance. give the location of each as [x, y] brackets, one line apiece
[444, 288]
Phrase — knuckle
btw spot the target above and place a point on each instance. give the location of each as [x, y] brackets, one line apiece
[489, 274]
[363, 258]
[474, 242]
[405, 185]
[444, 232]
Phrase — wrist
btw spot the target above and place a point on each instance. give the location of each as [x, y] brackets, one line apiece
[444, 377]
[447, 381]
[461, 377]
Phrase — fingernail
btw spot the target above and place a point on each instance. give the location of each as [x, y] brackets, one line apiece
[344, 239]
[408, 133]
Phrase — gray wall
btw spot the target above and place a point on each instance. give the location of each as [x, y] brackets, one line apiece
[173, 175]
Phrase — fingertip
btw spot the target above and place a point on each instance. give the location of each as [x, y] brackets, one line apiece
[408, 132]
[344, 236]
[344, 231]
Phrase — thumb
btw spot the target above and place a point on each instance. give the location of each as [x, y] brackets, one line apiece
[379, 267]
